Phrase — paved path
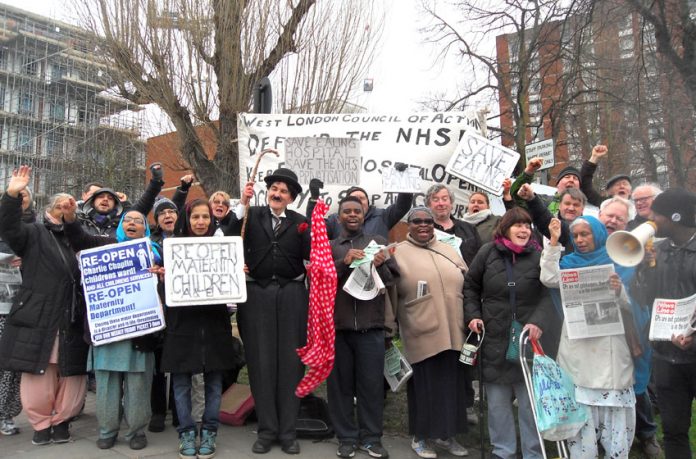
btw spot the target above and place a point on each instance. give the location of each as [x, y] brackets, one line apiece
[233, 442]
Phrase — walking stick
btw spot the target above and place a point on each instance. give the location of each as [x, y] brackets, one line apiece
[251, 177]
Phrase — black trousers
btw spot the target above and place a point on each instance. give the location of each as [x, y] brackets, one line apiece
[273, 324]
[676, 390]
[358, 369]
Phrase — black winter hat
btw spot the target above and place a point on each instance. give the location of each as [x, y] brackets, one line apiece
[569, 170]
[677, 204]
[286, 176]
[161, 204]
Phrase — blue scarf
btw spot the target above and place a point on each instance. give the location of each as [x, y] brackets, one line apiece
[122, 237]
[597, 257]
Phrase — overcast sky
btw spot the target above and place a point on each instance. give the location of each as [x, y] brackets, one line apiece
[404, 71]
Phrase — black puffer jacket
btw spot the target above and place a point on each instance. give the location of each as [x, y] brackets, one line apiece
[49, 301]
[486, 297]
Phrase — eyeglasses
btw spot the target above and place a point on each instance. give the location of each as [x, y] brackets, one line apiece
[136, 220]
[422, 221]
[644, 199]
[168, 212]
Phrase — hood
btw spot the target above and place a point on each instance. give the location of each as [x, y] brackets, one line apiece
[88, 206]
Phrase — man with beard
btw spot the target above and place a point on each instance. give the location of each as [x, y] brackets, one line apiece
[102, 211]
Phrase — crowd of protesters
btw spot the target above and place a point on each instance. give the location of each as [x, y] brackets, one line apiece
[503, 271]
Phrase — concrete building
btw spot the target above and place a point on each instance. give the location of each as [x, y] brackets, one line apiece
[56, 112]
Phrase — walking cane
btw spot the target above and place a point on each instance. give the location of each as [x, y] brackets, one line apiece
[251, 177]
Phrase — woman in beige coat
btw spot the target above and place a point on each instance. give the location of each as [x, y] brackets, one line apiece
[430, 315]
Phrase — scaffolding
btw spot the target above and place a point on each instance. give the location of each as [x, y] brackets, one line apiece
[57, 113]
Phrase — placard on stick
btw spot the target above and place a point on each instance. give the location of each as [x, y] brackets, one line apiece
[483, 163]
[329, 159]
[407, 181]
[204, 270]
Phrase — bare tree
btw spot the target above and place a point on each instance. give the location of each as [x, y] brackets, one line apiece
[199, 60]
[539, 35]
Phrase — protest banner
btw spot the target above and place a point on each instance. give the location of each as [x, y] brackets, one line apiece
[330, 160]
[120, 292]
[483, 163]
[590, 306]
[672, 317]
[424, 141]
[204, 270]
[543, 150]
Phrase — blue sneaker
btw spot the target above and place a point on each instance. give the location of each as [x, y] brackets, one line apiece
[207, 448]
[187, 444]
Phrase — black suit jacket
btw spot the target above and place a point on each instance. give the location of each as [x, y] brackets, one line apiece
[269, 255]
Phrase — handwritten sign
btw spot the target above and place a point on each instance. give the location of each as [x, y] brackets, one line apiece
[482, 162]
[408, 181]
[120, 292]
[543, 150]
[331, 160]
[204, 270]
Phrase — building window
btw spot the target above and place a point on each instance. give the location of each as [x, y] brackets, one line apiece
[57, 72]
[31, 66]
[54, 146]
[2, 97]
[26, 104]
[57, 111]
[25, 140]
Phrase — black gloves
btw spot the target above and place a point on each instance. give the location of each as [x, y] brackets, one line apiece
[315, 186]
[157, 172]
[400, 166]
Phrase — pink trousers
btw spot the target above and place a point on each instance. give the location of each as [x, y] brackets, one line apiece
[50, 399]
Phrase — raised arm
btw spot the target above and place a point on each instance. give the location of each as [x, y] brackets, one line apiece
[147, 200]
[587, 171]
[12, 230]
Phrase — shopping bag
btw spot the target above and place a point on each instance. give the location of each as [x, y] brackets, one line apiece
[559, 415]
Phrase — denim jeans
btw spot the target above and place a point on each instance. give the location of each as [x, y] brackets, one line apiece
[182, 397]
[501, 421]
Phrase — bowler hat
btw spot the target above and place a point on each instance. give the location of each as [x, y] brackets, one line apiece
[286, 176]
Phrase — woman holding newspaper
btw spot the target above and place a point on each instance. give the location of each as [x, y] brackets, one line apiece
[601, 366]
[430, 315]
[503, 293]
[123, 369]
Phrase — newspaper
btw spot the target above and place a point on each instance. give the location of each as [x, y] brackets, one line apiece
[590, 308]
[396, 368]
[450, 239]
[672, 317]
[364, 283]
[10, 281]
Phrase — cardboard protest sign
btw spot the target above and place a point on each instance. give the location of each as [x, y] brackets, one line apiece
[423, 141]
[120, 292]
[328, 159]
[204, 270]
[543, 150]
[394, 181]
[482, 162]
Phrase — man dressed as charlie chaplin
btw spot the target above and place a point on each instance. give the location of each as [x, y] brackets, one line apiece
[273, 321]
